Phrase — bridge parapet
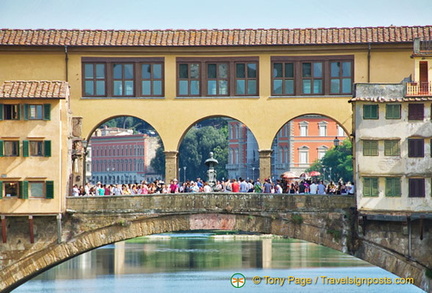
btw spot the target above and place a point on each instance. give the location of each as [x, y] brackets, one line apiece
[208, 202]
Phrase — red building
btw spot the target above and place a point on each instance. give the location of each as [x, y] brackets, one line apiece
[123, 158]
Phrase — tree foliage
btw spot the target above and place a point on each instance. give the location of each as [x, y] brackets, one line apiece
[339, 159]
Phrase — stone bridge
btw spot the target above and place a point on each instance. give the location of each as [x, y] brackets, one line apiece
[32, 245]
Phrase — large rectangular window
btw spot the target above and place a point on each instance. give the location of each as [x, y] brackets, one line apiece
[26, 189]
[314, 75]
[123, 77]
[37, 111]
[217, 77]
[416, 147]
[37, 148]
[370, 186]
[9, 148]
[393, 186]
[9, 112]
[416, 187]
[393, 111]
[391, 148]
[370, 148]
[415, 111]
[370, 111]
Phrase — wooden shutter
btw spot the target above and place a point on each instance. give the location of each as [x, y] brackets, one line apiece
[25, 148]
[1, 111]
[26, 111]
[47, 111]
[49, 188]
[1, 148]
[1, 189]
[23, 191]
[47, 148]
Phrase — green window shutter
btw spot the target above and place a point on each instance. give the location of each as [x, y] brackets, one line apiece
[47, 148]
[1, 111]
[47, 111]
[49, 187]
[1, 148]
[26, 111]
[25, 148]
[23, 189]
[18, 149]
[1, 189]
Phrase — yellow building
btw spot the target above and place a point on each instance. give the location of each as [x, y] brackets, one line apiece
[34, 160]
[172, 79]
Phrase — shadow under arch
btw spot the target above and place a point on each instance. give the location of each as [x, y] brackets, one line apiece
[56, 253]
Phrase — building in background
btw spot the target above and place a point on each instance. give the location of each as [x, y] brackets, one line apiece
[119, 156]
[297, 145]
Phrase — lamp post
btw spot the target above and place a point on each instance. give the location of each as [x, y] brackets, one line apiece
[253, 173]
[330, 169]
[184, 174]
[324, 173]
[336, 142]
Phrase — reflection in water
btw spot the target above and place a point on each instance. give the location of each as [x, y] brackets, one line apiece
[194, 262]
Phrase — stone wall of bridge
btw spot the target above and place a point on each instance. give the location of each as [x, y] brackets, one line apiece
[91, 222]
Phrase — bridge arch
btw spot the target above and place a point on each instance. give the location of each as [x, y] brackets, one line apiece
[329, 223]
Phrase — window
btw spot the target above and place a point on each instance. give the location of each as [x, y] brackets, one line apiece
[37, 148]
[370, 112]
[123, 77]
[322, 151]
[246, 79]
[217, 77]
[391, 148]
[416, 187]
[303, 128]
[370, 148]
[315, 75]
[416, 147]
[24, 189]
[9, 112]
[393, 111]
[9, 189]
[94, 79]
[415, 111]
[304, 155]
[340, 131]
[283, 78]
[9, 148]
[37, 112]
[151, 79]
[340, 77]
[322, 128]
[370, 186]
[393, 186]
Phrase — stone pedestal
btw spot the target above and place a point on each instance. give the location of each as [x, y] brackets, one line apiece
[171, 165]
[265, 164]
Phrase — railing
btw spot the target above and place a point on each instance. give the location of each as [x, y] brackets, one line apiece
[419, 89]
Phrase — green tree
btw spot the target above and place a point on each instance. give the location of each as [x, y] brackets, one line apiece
[339, 159]
[158, 162]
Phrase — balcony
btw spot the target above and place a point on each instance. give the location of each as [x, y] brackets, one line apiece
[417, 89]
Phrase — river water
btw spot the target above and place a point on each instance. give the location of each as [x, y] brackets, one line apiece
[204, 262]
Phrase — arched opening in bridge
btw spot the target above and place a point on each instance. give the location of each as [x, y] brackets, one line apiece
[232, 143]
[122, 150]
[208, 258]
[312, 148]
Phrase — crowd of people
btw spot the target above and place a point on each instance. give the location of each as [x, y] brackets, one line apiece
[231, 185]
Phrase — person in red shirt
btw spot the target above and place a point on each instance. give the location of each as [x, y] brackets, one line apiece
[235, 186]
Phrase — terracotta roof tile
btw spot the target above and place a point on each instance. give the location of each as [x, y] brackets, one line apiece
[214, 37]
[34, 89]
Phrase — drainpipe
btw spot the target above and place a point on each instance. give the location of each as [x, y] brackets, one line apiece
[368, 63]
[59, 228]
[66, 63]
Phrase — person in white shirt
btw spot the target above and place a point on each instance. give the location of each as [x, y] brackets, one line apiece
[313, 188]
